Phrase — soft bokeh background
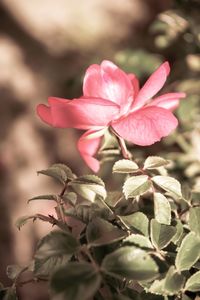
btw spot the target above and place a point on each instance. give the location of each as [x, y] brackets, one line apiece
[45, 46]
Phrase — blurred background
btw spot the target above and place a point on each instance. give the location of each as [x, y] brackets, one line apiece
[45, 47]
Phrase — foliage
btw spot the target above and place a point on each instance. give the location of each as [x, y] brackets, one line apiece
[142, 242]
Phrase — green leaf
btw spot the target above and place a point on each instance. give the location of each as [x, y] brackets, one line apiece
[70, 197]
[161, 235]
[44, 197]
[101, 206]
[75, 281]
[81, 212]
[154, 162]
[136, 185]
[109, 141]
[168, 184]
[86, 213]
[187, 193]
[193, 283]
[162, 209]
[125, 166]
[100, 232]
[56, 173]
[125, 207]
[13, 271]
[194, 220]
[131, 263]
[157, 287]
[52, 251]
[89, 186]
[139, 241]
[137, 222]
[179, 232]
[113, 198]
[22, 221]
[174, 281]
[188, 252]
[68, 172]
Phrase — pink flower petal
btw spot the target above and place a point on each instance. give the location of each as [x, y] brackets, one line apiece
[107, 81]
[152, 86]
[169, 101]
[135, 82]
[146, 126]
[78, 113]
[44, 112]
[88, 145]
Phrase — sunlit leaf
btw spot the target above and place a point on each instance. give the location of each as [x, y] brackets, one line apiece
[88, 187]
[169, 184]
[139, 240]
[136, 185]
[194, 220]
[154, 162]
[162, 209]
[125, 166]
[157, 287]
[131, 263]
[179, 232]
[188, 252]
[174, 281]
[193, 283]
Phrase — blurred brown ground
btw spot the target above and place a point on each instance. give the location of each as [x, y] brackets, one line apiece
[45, 47]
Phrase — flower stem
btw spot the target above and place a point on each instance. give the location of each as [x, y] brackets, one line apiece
[59, 207]
[126, 154]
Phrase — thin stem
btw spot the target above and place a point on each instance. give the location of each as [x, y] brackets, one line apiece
[125, 153]
[124, 149]
[59, 207]
[158, 254]
[86, 251]
[63, 190]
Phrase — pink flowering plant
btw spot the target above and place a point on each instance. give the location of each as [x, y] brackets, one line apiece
[139, 242]
[112, 99]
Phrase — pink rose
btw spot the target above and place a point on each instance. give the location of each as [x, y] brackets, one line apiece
[112, 98]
